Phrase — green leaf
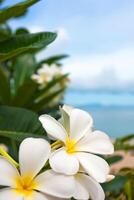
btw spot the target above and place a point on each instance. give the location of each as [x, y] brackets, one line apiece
[129, 189]
[19, 136]
[53, 59]
[114, 159]
[126, 138]
[124, 143]
[19, 120]
[5, 32]
[1, 1]
[17, 124]
[24, 94]
[116, 184]
[44, 101]
[15, 10]
[21, 31]
[4, 87]
[19, 44]
[24, 67]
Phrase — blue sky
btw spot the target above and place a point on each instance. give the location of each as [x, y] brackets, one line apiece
[98, 35]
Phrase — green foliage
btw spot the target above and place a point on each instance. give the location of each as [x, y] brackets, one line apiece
[115, 185]
[24, 67]
[54, 60]
[114, 159]
[17, 124]
[15, 10]
[1, 1]
[21, 30]
[4, 87]
[5, 32]
[45, 100]
[122, 187]
[22, 43]
[18, 62]
[18, 59]
[124, 143]
[18, 89]
[24, 94]
[19, 120]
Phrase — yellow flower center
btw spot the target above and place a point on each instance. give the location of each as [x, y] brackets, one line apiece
[44, 77]
[25, 185]
[70, 146]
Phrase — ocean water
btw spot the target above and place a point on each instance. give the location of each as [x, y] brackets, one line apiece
[112, 112]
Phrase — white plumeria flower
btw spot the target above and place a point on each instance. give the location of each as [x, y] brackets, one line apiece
[27, 183]
[77, 143]
[46, 74]
[87, 188]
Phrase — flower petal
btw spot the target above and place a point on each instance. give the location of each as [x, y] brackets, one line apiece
[49, 197]
[96, 142]
[110, 177]
[36, 196]
[6, 194]
[87, 187]
[53, 127]
[94, 165]
[81, 191]
[33, 154]
[65, 163]
[80, 123]
[8, 173]
[68, 109]
[54, 184]
[65, 120]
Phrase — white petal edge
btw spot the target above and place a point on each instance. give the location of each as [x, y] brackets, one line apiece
[80, 123]
[6, 194]
[62, 162]
[94, 165]
[8, 173]
[81, 191]
[87, 187]
[54, 184]
[110, 177]
[65, 120]
[96, 142]
[33, 154]
[53, 127]
[68, 109]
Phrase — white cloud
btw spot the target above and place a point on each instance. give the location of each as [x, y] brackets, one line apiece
[61, 41]
[63, 35]
[102, 70]
[35, 29]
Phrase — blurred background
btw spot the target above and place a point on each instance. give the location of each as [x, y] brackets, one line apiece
[98, 35]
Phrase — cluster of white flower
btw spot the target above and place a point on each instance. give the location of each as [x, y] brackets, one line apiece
[75, 169]
[46, 74]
